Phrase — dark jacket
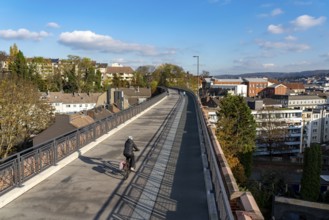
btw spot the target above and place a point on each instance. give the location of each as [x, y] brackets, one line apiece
[130, 146]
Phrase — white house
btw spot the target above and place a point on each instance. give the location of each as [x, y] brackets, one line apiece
[69, 103]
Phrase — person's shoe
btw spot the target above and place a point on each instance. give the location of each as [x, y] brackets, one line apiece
[132, 169]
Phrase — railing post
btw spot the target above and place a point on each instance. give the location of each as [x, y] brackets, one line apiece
[55, 152]
[94, 131]
[78, 139]
[19, 169]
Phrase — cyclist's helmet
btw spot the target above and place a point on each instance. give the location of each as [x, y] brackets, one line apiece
[130, 137]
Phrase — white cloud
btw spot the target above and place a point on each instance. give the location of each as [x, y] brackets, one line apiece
[290, 38]
[22, 34]
[268, 65]
[273, 13]
[275, 29]
[306, 21]
[53, 25]
[88, 40]
[276, 12]
[268, 45]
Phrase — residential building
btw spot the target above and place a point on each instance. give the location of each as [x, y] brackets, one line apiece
[124, 73]
[295, 88]
[125, 97]
[43, 66]
[279, 131]
[274, 89]
[69, 103]
[228, 81]
[64, 124]
[300, 101]
[316, 125]
[222, 89]
[255, 85]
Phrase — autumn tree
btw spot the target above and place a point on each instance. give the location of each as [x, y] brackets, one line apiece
[22, 114]
[3, 58]
[312, 166]
[169, 75]
[147, 73]
[236, 132]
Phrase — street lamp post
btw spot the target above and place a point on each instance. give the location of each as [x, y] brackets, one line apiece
[197, 73]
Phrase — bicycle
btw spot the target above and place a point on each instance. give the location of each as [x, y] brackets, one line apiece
[125, 164]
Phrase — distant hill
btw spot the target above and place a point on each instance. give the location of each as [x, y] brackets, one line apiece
[279, 75]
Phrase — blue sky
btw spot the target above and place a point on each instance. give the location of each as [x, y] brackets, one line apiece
[229, 36]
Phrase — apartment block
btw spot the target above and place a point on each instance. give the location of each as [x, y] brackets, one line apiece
[280, 128]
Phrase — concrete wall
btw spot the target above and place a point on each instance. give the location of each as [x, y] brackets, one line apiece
[285, 208]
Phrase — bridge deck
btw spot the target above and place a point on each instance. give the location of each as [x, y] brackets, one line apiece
[168, 182]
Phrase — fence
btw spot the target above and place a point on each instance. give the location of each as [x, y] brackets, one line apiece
[26, 164]
[231, 203]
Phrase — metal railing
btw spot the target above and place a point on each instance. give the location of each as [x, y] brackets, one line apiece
[218, 191]
[20, 167]
[224, 188]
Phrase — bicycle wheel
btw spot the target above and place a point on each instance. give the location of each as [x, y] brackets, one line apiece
[126, 170]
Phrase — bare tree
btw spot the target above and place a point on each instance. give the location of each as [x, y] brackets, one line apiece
[22, 114]
[272, 130]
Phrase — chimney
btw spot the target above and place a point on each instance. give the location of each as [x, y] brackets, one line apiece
[108, 96]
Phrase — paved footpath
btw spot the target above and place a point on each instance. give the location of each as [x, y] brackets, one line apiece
[168, 182]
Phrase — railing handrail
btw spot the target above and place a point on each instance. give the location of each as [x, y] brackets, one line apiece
[19, 167]
[228, 190]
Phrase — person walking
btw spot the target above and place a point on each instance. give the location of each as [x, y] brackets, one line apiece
[128, 152]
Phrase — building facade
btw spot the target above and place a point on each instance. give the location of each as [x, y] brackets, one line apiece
[279, 131]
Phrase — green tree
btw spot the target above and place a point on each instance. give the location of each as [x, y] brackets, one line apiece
[22, 114]
[270, 184]
[236, 132]
[139, 80]
[98, 81]
[54, 82]
[310, 183]
[169, 75]
[71, 83]
[18, 66]
[236, 128]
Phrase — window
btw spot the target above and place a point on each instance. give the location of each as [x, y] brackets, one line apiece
[68, 106]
